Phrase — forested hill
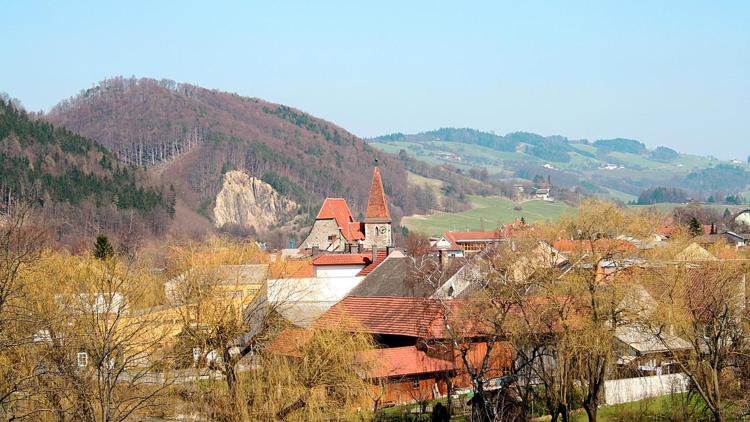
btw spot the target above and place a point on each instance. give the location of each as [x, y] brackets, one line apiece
[191, 136]
[619, 168]
[80, 188]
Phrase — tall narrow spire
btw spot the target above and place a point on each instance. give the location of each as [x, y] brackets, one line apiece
[377, 205]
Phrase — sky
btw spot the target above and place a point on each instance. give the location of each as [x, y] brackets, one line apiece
[672, 73]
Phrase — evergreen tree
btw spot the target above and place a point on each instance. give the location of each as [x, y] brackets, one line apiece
[695, 227]
[102, 248]
[727, 214]
[171, 201]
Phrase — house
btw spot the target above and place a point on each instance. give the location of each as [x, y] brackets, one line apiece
[543, 194]
[318, 284]
[603, 245]
[233, 281]
[730, 237]
[335, 229]
[415, 359]
[641, 353]
[464, 243]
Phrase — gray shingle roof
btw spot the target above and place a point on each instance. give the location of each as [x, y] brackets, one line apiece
[403, 277]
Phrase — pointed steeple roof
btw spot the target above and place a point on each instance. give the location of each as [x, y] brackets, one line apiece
[377, 205]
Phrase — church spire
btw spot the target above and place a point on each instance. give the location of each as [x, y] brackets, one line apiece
[377, 205]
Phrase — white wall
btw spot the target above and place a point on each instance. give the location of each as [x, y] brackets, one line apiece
[634, 389]
[325, 289]
[337, 270]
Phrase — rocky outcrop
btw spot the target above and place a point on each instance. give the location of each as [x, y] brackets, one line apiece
[247, 201]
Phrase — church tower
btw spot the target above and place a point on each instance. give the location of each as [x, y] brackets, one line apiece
[377, 218]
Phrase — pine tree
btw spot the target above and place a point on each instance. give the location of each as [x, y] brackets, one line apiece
[171, 202]
[102, 248]
[695, 227]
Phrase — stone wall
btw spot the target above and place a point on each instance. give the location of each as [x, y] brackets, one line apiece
[319, 235]
[378, 234]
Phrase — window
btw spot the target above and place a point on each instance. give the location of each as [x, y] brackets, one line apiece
[83, 359]
[415, 383]
[233, 293]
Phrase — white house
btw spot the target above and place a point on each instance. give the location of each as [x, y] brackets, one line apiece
[313, 289]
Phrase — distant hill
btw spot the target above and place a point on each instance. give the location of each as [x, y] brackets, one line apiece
[190, 136]
[80, 188]
[618, 168]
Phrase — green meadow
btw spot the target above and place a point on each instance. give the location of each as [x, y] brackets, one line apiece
[487, 213]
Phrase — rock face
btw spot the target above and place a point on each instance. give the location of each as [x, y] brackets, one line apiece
[247, 201]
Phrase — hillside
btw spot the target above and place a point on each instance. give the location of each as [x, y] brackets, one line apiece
[190, 137]
[79, 187]
[617, 168]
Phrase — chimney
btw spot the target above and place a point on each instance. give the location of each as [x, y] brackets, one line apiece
[443, 259]
[374, 253]
[315, 250]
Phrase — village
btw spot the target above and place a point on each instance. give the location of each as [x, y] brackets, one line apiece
[608, 307]
[487, 211]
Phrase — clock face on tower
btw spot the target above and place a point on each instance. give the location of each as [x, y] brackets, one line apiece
[382, 229]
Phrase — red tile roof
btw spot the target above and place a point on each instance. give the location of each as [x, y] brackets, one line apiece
[377, 206]
[601, 245]
[400, 361]
[356, 231]
[305, 270]
[289, 341]
[404, 316]
[343, 259]
[390, 362]
[381, 256]
[668, 227]
[337, 209]
[472, 236]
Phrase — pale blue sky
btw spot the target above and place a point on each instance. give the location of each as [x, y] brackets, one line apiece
[673, 73]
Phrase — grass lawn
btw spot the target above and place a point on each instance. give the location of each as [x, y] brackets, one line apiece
[490, 212]
[622, 196]
[670, 407]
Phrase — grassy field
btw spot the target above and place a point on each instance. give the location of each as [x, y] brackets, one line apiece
[670, 407]
[488, 213]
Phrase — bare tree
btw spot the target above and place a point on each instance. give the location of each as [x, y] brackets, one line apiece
[703, 303]
[100, 357]
[20, 246]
